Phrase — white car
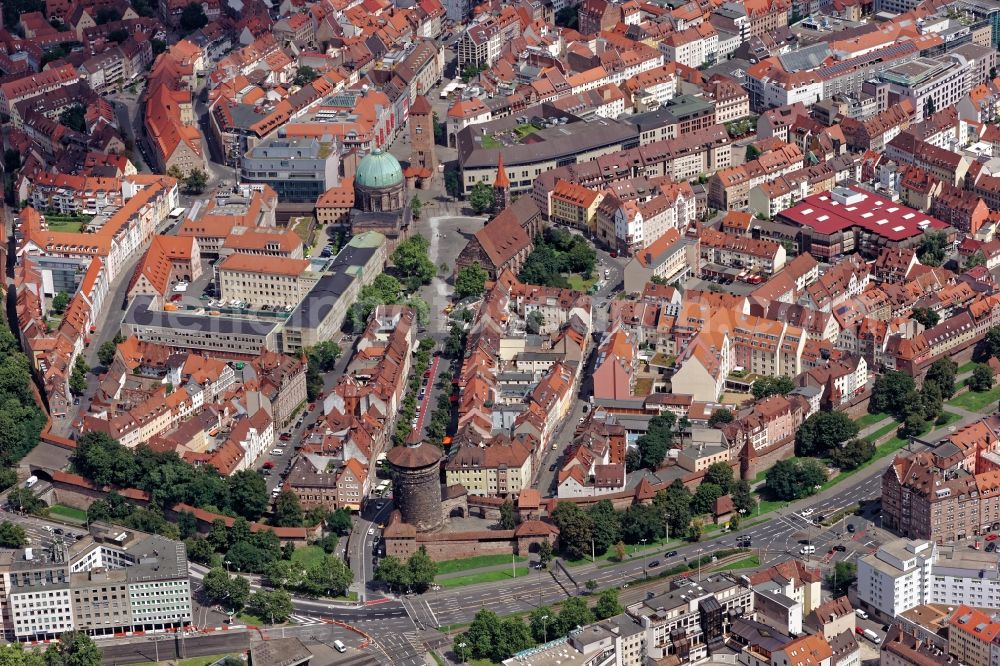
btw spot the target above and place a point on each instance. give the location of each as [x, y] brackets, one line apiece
[805, 513]
[277, 452]
[371, 531]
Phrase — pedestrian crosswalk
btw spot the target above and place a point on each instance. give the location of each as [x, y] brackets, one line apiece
[304, 620]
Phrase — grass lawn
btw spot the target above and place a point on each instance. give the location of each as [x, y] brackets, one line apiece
[745, 563]
[968, 367]
[453, 566]
[524, 130]
[66, 224]
[197, 661]
[484, 577]
[946, 419]
[306, 557]
[579, 284]
[247, 618]
[490, 143]
[870, 419]
[975, 401]
[68, 512]
[482, 662]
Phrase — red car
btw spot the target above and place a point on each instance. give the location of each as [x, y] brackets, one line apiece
[268, 465]
[312, 406]
[992, 536]
[614, 255]
[285, 437]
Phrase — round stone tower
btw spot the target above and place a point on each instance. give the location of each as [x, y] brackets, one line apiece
[416, 484]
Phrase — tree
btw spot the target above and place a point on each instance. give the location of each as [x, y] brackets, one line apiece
[696, 530]
[273, 605]
[576, 528]
[107, 15]
[196, 181]
[470, 281]
[852, 454]
[752, 153]
[567, 17]
[74, 117]
[24, 501]
[59, 302]
[393, 573]
[328, 577]
[991, 343]
[193, 17]
[574, 613]
[507, 518]
[768, 386]
[481, 198]
[534, 322]
[933, 245]
[305, 75]
[822, 432]
[721, 474]
[743, 499]
[720, 415]
[248, 494]
[287, 510]
[339, 521]
[607, 604]
[200, 550]
[74, 648]
[982, 378]
[653, 445]
[843, 576]
[606, 526]
[620, 551]
[545, 553]
[926, 317]
[704, 498]
[78, 378]
[914, 424]
[977, 258]
[642, 522]
[889, 394]
[12, 535]
[543, 623]
[230, 592]
[324, 354]
[118, 35]
[159, 46]
[674, 504]
[794, 478]
[416, 206]
[106, 353]
[412, 260]
[942, 373]
[513, 637]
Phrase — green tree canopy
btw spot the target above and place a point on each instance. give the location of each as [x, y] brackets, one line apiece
[193, 17]
[982, 378]
[823, 432]
[470, 281]
[481, 198]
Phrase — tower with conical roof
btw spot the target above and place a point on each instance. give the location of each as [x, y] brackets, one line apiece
[501, 187]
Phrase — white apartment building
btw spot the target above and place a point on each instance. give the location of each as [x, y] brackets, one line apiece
[903, 574]
[931, 84]
[895, 578]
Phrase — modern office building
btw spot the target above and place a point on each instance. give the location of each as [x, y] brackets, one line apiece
[112, 580]
[298, 169]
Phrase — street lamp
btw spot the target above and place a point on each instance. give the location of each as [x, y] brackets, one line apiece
[227, 563]
[643, 557]
[545, 629]
[461, 646]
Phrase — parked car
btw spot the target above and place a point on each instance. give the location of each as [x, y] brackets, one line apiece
[670, 553]
[654, 564]
[850, 528]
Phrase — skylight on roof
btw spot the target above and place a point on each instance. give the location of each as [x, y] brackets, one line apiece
[909, 216]
[867, 215]
[822, 218]
[899, 228]
[807, 211]
[852, 208]
[879, 203]
[882, 221]
[893, 209]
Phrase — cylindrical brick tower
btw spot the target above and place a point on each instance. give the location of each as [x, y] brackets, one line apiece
[416, 484]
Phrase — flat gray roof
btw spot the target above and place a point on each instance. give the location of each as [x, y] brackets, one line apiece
[139, 314]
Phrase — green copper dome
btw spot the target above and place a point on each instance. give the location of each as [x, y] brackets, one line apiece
[378, 169]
